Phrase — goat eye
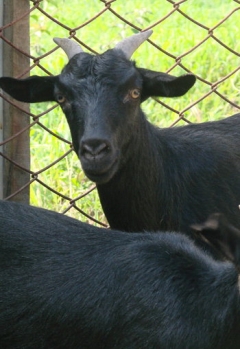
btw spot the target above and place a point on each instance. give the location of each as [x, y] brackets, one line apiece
[135, 93]
[60, 99]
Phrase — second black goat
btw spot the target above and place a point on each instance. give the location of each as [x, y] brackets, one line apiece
[69, 285]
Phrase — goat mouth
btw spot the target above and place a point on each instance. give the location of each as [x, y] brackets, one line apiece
[101, 175]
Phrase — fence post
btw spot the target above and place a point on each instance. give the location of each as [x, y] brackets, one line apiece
[1, 105]
[14, 63]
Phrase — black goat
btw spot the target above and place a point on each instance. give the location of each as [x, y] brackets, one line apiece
[69, 285]
[147, 178]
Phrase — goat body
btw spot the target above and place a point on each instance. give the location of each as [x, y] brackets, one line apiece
[66, 284]
[147, 178]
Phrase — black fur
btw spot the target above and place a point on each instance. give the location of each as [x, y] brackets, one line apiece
[69, 285]
[147, 178]
[222, 236]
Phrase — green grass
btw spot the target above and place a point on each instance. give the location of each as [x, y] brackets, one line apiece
[176, 34]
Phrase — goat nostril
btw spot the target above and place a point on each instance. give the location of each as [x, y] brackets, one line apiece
[95, 149]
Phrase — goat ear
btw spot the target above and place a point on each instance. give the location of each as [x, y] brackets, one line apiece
[220, 233]
[164, 85]
[30, 90]
[211, 229]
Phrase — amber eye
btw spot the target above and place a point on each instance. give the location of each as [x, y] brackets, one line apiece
[135, 93]
[60, 99]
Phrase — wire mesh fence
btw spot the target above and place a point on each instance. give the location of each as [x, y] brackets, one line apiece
[187, 38]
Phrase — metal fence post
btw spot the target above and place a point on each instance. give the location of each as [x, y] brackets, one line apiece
[15, 63]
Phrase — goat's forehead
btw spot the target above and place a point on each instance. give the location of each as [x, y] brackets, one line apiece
[110, 66]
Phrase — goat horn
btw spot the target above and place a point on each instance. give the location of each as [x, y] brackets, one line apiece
[129, 45]
[70, 47]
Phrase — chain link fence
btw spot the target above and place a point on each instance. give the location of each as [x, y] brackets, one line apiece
[187, 38]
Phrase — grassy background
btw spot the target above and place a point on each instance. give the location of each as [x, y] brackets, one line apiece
[176, 34]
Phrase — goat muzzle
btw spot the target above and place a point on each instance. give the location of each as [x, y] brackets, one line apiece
[98, 159]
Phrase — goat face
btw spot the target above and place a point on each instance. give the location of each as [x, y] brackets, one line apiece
[100, 96]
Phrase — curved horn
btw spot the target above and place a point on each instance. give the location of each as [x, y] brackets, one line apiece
[129, 45]
[70, 47]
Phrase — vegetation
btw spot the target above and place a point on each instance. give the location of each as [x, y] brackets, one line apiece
[176, 35]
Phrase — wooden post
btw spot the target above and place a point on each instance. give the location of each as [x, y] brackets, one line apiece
[1, 105]
[14, 120]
